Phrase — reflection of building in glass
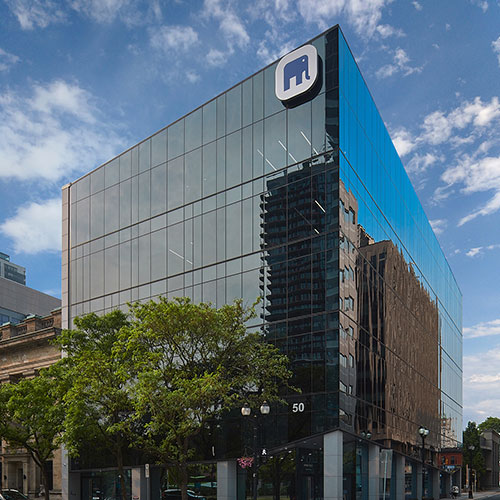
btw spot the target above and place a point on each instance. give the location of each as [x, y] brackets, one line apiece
[402, 379]
[307, 205]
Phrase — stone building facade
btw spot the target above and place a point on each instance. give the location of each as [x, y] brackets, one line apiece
[25, 349]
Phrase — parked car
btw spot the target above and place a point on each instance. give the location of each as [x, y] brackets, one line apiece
[175, 494]
[12, 495]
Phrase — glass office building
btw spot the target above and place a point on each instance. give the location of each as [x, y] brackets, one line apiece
[304, 203]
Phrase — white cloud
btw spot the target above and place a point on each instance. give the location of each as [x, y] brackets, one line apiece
[400, 64]
[102, 11]
[216, 57]
[60, 96]
[496, 48]
[421, 162]
[192, 76]
[42, 13]
[52, 134]
[482, 4]
[439, 126]
[417, 5]
[173, 38]
[385, 31]
[473, 252]
[36, 13]
[481, 376]
[438, 225]
[36, 227]
[364, 15]
[483, 329]
[477, 175]
[231, 26]
[269, 50]
[7, 60]
[403, 141]
[449, 137]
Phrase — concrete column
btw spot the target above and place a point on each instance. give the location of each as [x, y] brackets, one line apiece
[226, 480]
[418, 475]
[25, 477]
[436, 484]
[373, 472]
[398, 480]
[139, 489]
[333, 459]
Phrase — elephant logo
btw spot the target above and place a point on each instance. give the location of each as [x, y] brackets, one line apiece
[296, 72]
[295, 69]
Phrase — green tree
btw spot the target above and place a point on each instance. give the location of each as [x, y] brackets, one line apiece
[194, 363]
[473, 456]
[491, 423]
[32, 416]
[99, 410]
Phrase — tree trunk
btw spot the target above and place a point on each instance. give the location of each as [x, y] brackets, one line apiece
[184, 471]
[121, 473]
[45, 480]
[183, 480]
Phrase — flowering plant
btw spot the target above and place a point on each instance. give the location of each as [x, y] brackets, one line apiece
[245, 462]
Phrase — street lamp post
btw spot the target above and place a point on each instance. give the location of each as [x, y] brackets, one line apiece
[471, 448]
[424, 432]
[246, 411]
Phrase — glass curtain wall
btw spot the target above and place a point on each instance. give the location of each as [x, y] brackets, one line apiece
[309, 209]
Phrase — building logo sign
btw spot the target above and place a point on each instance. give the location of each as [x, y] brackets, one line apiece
[296, 73]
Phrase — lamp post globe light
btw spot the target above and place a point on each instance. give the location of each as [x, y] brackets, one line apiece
[424, 432]
[471, 449]
[246, 411]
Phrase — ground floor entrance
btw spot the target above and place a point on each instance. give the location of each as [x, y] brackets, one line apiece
[334, 466]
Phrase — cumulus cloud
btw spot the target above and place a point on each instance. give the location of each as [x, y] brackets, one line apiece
[464, 138]
[477, 175]
[192, 76]
[404, 142]
[173, 38]
[364, 16]
[400, 64]
[41, 13]
[52, 134]
[417, 5]
[481, 376]
[230, 25]
[496, 48]
[36, 13]
[473, 252]
[216, 57]
[482, 4]
[36, 227]
[269, 50]
[438, 126]
[438, 225]
[7, 60]
[421, 162]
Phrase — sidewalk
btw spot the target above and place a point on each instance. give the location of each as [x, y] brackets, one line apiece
[481, 494]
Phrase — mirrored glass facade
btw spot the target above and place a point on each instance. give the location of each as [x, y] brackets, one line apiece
[308, 208]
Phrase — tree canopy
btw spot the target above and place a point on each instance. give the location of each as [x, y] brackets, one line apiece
[491, 423]
[99, 410]
[32, 417]
[193, 363]
[472, 454]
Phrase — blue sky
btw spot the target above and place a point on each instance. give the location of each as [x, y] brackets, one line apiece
[82, 80]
